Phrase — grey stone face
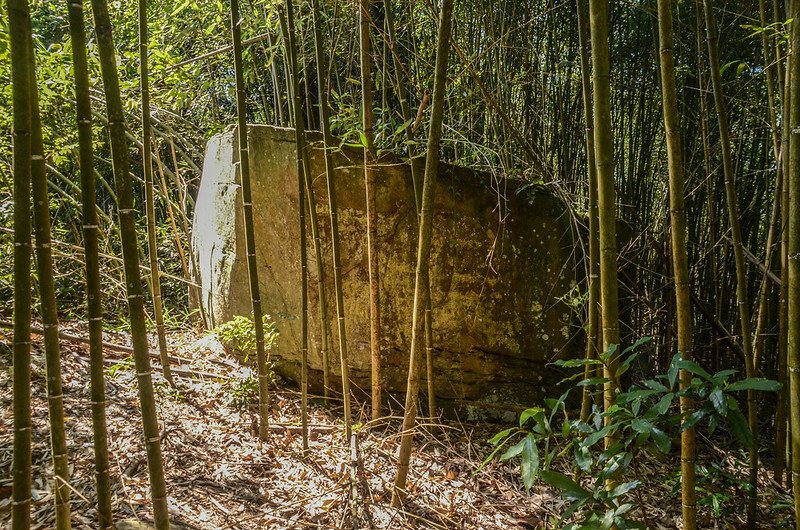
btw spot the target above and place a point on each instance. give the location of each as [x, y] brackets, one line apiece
[502, 268]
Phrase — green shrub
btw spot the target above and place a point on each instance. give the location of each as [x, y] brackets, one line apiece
[639, 421]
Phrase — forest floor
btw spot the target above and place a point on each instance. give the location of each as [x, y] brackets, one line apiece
[220, 476]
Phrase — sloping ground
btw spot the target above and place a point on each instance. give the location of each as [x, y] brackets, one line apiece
[219, 475]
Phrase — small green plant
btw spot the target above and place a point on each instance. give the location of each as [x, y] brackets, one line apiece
[239, 335]
[637, 422]
[243, 391]
[122, 364]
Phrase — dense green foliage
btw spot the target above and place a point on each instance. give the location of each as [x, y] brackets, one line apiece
[642, 420]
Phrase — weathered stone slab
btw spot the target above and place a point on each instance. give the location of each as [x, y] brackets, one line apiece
[501, 262]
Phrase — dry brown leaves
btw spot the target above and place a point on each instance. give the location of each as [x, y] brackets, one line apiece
[220, 476]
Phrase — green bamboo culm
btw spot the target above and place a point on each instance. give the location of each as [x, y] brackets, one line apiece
[782, 411]
[18, 27]
[606, 194]
[738, 249]
[593, 314]
[250, 238]
[48, 310]
[416, 182]
[302, 180]
[794, 257]
[130, 255]
[310, 196]
[367, 120]
[424, 250]
[330, 179]
[680, 258]
[310, 203]
[150, 208]
[94, 300]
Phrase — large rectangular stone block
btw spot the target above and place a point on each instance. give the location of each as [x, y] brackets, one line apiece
[502, 268]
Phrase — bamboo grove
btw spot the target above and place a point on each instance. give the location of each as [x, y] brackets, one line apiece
[672, 131]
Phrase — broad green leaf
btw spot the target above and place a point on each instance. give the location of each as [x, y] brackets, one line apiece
[502, 435]
[583, 457]
[635, 345]
[641, 426]
[608, 520]
[695, 368]
[572, 489]
[181, 7]
[574, 363]
[655, 385]
[739, 427]
[536, 413]
[513, 451]
[755, 383]
[593, 381]
[692, 420]
[672, 372]
[622, 489]
[723, 375]
[529, 467]
[610, 351]
[599, 435]
[663, 405]
[404, 126]
[717, 398]
[662, 440]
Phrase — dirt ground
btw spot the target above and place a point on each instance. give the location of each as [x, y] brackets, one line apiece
[220, 476]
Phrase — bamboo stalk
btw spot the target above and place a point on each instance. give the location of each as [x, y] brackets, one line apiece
[416, 182]
[94, 297]
[423, 249]
[794, 258]
[150, 202]
[302, 185]
[330, 178]
[680, 259]
[367, 120]
[606, 197]
[22, 87]
[247, 207]
[738, 252]
[133, 280]
[594, 235]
